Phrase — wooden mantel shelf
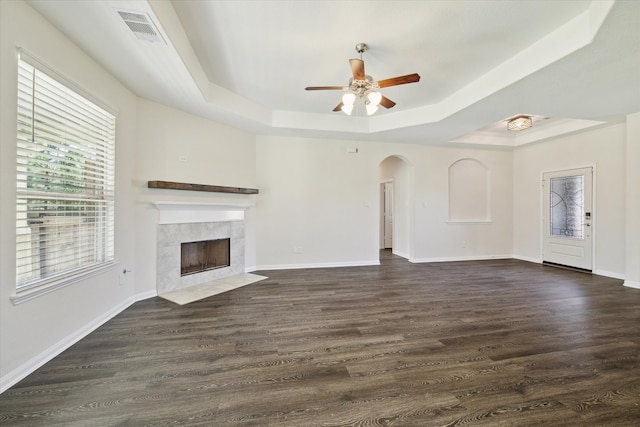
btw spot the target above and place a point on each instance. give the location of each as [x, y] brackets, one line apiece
[169, 185]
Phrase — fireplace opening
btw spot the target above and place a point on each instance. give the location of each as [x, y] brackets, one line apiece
[204, 255]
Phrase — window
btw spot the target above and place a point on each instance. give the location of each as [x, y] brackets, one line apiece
[567, 206]
[65, 181]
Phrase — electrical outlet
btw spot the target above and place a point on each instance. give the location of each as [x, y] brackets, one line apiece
[297, 249]
[464, 243]
[122, 277]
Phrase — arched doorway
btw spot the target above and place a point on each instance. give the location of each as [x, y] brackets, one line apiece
[395, 176]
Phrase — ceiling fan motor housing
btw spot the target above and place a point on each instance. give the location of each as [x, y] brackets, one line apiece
[361, 47]
[362, 87]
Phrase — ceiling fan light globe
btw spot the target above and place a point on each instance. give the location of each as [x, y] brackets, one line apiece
[348, 99]
[374, 98]
[347, 109]
[371, 108]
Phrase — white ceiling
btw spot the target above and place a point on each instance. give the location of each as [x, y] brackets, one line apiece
[570, 64]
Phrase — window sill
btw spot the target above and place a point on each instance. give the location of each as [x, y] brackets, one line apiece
[51, 285]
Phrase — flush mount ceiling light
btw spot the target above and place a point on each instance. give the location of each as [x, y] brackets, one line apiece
[519, 123]
[362, 86]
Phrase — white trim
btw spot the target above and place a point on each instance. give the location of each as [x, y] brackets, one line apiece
[609, 274]
[461, 258]
[10, 379]
[480, 221]
[61, 78]
[527, 259]
[38, 271]
[189, 213]
[381, 218]
[594, 213]
[598, 272]
[145, 295]
[49, 285]
[631, 284]
[316, 265]
[400, 254]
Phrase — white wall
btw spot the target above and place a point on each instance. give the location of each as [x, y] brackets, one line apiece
[602, 148]
[176, 146]
[35, 330]
[632, 268]
[437, 239]
[317, 197]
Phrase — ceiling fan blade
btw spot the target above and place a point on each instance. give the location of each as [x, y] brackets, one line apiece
[401, 80]
[357, 68]
[386, 102]
[325, 88]
[338, 107]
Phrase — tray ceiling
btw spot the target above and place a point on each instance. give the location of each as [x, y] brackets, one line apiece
[246, 63]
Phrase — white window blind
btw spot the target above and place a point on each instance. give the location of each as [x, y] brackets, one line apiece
[65, 181]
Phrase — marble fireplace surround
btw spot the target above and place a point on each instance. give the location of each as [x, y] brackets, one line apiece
[180, 222]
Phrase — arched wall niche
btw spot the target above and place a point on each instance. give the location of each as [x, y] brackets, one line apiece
[469, 191]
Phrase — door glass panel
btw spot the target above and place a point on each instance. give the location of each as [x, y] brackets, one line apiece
[567, 206]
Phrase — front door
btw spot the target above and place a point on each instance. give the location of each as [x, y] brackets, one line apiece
[568, 218]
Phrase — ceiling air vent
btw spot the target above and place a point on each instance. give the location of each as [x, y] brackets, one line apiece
[142, 26]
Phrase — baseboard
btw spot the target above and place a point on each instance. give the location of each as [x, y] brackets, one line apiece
[316, 265]
[30, 366]
[631, 284]
[609, 274]
[527, 259]
[598, 272]
[462, 258]
[400, 254]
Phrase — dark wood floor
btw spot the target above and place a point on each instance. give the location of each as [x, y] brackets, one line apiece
[488, 343]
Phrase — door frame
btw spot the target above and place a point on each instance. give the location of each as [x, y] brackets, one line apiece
[381, 214]
[594, 215]
[407, 200]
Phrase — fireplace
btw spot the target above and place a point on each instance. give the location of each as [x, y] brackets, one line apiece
[205, 255]
[194, 222]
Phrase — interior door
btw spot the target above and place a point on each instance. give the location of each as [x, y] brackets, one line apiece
[388, 215]
[568, 218]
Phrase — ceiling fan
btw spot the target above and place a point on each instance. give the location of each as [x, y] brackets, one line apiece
[362, 86]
